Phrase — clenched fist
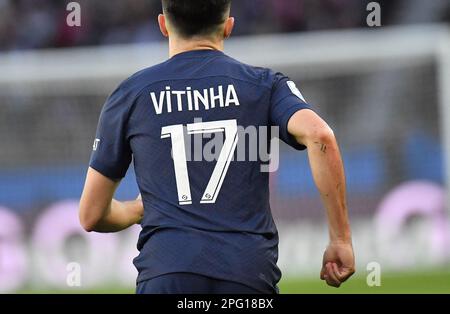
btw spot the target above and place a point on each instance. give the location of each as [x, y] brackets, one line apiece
[338, 263]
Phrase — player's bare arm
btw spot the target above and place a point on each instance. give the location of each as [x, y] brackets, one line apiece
[328, 172]
[100, 212]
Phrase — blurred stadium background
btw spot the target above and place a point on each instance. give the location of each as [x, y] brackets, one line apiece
[384, 90]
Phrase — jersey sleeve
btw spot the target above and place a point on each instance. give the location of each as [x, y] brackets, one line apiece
[111, 155]
[286, 99]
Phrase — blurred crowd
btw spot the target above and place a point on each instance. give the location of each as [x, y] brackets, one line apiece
[35, 24]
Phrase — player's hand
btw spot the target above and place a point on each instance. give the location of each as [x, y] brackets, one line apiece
[338, 263]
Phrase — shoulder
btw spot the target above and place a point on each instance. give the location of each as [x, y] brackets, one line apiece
[134, 84]
[258, 75]
[124, 95]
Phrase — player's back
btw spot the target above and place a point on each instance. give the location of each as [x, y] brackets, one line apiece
[191, 124]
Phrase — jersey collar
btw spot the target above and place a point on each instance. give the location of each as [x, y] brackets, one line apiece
[198, 54]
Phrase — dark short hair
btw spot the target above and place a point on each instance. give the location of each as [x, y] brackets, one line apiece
[196, 17]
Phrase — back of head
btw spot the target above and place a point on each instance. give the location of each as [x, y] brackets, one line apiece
[192, 18]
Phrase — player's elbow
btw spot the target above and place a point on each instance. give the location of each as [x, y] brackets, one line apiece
[310, 129]
[87, 224]
[323, 135]
[326, 135]
[87, 221]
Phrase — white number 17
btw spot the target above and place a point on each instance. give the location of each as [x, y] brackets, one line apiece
[176, 133]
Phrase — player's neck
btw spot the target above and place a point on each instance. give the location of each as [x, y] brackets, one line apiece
[177, 45]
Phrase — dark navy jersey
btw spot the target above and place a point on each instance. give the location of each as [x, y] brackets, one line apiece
[203, 216]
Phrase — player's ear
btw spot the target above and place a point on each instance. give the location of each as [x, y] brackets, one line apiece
[229, 25]
[162, 25]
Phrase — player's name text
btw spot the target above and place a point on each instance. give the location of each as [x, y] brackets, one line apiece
[169, 100]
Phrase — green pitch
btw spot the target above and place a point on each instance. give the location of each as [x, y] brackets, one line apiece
[426, 282]
[437, 281]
